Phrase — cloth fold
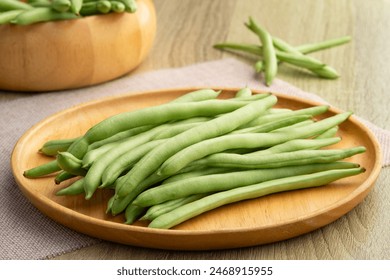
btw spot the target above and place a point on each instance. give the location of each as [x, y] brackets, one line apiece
[28, 234]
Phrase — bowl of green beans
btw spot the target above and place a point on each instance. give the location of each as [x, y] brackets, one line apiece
[51, 45]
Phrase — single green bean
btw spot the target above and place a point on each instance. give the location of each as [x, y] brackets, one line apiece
[63, 176]
[70, 164]
[61, 5]
[8, 5]
[117, 7]
[197, 95]
[132, 213]
[94, 154]
[332, 132]
[213, 201]
[222, 182]
[76, 6]
[269, 55]
[42, 170]
[165, 207]
[41, 14]
[244, 92]
[313, 47]
[75, 188]
[195, 173]
[207, 147]
[279, 159]
[52, 147]
[8, 16]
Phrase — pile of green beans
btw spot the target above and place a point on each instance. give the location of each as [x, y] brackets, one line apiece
[272, 51]
[33, 11]
[168, 163]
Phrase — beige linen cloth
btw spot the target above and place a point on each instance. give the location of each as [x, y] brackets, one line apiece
[25, 233]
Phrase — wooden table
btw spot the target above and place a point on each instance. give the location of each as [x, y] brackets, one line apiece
[186, 31]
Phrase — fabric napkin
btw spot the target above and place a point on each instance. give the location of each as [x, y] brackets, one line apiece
[25, 232]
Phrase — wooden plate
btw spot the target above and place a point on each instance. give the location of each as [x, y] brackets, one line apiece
[259, 221]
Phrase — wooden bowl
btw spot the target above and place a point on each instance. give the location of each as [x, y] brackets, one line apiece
[75, 53]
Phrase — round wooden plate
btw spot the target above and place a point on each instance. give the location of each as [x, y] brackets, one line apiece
[253, 222]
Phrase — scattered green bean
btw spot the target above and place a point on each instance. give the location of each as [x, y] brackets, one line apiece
[42, 170]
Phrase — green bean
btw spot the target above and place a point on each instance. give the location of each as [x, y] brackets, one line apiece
[8, 5]
[298, 144]
[331, 132]
[63, 176]
[295, 125]
[94, 154]
[132, 213]
[244, 92]
[222, 182]
[41, 14]
[167, 206]
[52, 147]
[75, 188]
[143, 174]
[325, 71]
[131, 5]
[197, 95]
[195, 173]
[218, 126]
[279, 159]
[213, 201]
[70, 164]
[207, 147]
[313, 111]
[42, 170]
[8, 16]
[93, 8]
[273, 125]
[269, 55]
[313, 47]
[61, 5]
[152, 115]
[76, 6]
[117, 7]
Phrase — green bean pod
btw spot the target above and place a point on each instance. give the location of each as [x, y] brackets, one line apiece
[244, 92]
[63, 176]
[117, 7]
[193, 209]
[269, 54]
[131, 5]
[222, 182]
[75, 188]
[70, 164]
[197, 95]
[9, 5]
[279, 159]
[132, 213]
[52, 147]
[61, 5]
[8, 16]
[42, 170]
[75, 6]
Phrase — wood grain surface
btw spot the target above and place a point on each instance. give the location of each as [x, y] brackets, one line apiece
[185, 33]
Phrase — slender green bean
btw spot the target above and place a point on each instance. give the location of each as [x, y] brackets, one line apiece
[332, 132]
[117, 7]
[75, 188]
[269, 55]
[244, 92]
[52, 147]
[8, 16]
[279, 159]
[63, 176]
[61, 5]
[165, 207]
[197, 95]
[313, 47]
[131, 5]
[132, 213]
[213, 201]
[76, 6]
[42, 170]
[70, 164]
[9, 5]
[222, 182]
